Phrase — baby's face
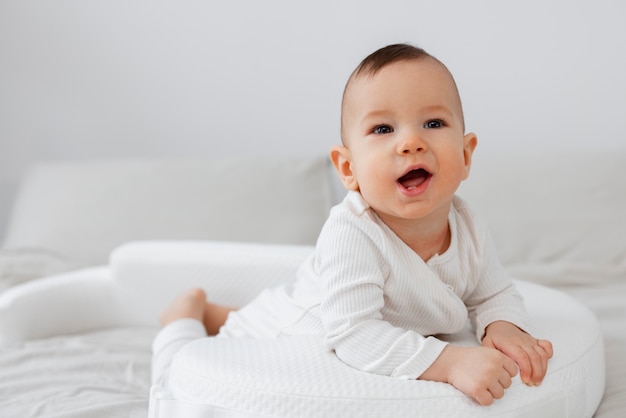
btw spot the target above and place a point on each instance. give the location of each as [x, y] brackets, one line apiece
[403, 134]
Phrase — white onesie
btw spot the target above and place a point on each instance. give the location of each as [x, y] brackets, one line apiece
[375, 302]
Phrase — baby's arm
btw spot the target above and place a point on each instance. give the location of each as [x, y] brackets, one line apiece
[498, 315]
[530, 354]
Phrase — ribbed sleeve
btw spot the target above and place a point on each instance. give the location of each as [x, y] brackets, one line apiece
[494, 297]
[380, 304]
[353, 261]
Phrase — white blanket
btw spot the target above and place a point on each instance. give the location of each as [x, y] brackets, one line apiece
[99, 374]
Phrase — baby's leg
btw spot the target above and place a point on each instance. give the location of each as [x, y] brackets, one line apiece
[182, 323]
[192, 304]
[187, 318]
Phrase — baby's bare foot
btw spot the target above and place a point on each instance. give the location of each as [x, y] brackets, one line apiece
[215, 316]
[188, 305]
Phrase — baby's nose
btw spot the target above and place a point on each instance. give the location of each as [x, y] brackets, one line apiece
[411, 143]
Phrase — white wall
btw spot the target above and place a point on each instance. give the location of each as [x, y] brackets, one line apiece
[84, 79]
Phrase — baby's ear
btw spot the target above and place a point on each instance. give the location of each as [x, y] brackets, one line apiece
[340, 156]
[469, 145]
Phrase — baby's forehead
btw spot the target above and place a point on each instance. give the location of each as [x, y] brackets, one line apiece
[359, 89]
[362, 79]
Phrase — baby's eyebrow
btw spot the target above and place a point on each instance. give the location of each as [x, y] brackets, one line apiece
[438, 109]
[376, 113]
[432, 109]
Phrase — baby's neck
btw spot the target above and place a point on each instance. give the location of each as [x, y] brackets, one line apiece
[428, 246]
[425, 238]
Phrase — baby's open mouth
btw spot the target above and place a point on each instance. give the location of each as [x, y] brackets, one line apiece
[414, 178]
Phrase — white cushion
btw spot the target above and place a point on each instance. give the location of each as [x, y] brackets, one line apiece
[298, 377]
[83, 300]
[554, 215]
[80, 212]
[231, 273]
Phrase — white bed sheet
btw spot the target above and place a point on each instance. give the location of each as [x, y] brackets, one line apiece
[97, 374]
[107, 373]
[608, 302]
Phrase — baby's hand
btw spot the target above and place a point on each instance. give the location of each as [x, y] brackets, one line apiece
[479, 372]
[530, 354]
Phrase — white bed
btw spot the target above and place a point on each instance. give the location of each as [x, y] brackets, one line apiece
[67, 351]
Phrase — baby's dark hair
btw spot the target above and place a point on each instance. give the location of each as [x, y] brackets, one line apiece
[386, 56]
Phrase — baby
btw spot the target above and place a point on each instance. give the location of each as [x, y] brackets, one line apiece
[402, 259]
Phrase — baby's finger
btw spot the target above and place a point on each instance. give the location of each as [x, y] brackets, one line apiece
[505, 378]
[545, 356]
[496, 390]
[521, 361]
[544, 361]
[488, 342]
[547, 346]
[511, 368]
[484, 397]
[539, 363]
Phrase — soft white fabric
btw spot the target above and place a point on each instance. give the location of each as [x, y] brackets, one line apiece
[24, 264]
[364, 287]
[149, 274]
[37, 366]
[553, 213]
[82, 211]
[298, 376]
[69, 303]
[607, 302]
[96, 374]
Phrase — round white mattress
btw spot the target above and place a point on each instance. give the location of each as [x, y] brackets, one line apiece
[299, 377]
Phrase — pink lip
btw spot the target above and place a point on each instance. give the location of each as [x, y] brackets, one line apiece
[418, 190]
[414, 167]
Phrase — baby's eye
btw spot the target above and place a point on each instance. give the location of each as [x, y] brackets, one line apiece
[434, 124]
[382, 129]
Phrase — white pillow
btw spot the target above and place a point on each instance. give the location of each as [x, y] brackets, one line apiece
[232, 273]
[81, 211]
[554, 217]
[299, 376]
